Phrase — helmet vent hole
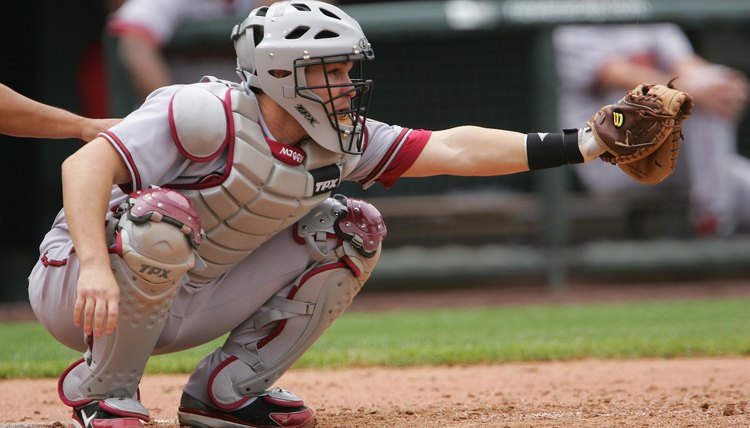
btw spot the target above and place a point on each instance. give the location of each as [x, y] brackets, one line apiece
[300, 6]
[330, 14]
[325, 34]
[262, 11]
[279, 74]
[297, 33]
[257, 34]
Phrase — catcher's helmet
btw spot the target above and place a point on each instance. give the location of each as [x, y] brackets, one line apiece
[275, 43]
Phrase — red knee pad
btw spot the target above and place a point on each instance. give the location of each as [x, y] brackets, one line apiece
[159, 204]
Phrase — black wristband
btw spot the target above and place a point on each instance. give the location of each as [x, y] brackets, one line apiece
[554, 150]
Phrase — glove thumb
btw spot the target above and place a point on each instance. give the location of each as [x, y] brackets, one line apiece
[587, 144]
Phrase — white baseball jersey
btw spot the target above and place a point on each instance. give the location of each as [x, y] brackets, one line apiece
[202, 310]
[144, 140]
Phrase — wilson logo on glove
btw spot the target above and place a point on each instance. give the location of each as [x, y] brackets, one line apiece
[618, 118]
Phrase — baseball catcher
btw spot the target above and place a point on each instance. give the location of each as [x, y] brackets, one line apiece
[641, 133]
[218, 215]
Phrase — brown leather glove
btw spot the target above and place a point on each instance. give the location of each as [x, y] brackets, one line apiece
[641, 133]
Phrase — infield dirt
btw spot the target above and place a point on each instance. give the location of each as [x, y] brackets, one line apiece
[702, 392]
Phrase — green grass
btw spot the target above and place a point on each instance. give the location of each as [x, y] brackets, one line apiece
[463, 336]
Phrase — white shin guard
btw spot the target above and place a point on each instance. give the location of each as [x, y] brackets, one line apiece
[152, 253]
[300, 313]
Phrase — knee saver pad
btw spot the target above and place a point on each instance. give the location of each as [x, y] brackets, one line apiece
[361, 231]
[155, 234]
[155, 239]
[357, 224]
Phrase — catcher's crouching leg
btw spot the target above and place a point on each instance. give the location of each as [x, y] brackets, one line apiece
[344, 238]
[153, 236]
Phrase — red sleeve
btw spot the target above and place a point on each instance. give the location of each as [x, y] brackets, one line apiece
[404, 158]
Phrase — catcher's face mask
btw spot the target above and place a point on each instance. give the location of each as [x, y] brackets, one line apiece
[345, 100]
[274, 46]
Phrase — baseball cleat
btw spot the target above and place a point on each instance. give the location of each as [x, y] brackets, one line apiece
[274, 408]
[100, 414]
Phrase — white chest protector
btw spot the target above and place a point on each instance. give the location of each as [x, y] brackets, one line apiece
[266, 187]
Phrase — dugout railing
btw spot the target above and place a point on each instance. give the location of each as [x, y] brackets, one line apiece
[445, 63]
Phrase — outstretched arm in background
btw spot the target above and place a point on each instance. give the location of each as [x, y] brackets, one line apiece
[143, 59]
[719, 89]
[23, 117]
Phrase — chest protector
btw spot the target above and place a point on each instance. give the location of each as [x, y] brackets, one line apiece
[266, 186]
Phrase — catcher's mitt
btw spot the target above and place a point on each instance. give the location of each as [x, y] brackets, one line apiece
[641, 133]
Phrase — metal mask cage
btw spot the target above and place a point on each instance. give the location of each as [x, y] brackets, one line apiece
[349, 136]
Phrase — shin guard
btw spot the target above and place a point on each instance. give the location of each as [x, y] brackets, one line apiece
[297, 316]
[154, 236]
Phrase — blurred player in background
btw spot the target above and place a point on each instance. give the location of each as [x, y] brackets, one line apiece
[126, 272]
[144, 27]
[21, 116]
[595, 63]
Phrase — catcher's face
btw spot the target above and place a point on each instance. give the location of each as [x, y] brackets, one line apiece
[326, 81]
[331, 82]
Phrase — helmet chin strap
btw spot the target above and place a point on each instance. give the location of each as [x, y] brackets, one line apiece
[247, 76]
[252, 80]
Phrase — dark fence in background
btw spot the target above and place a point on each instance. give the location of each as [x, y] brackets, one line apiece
[489, 64]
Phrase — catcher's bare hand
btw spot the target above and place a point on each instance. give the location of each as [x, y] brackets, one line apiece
[641, 133]
[97, 300]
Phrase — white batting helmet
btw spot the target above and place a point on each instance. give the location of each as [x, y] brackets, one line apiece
[274, 44]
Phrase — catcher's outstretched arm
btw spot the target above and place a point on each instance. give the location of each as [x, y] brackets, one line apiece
[477, 151]
[641, 134]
